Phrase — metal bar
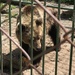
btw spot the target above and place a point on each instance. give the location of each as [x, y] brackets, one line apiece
[43, 42]
[43, 47]
[23, 2]
[72, 38]
[57, 40]
[28, 57]
[56, 20]
[20, 36]
[1, 56]
[50, 14]
[32, 35]
[10, 40]
[48, 5]
[49, 50]
[27, 68]
[60, 7]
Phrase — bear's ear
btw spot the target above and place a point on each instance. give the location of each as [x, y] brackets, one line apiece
[55, 12]
[28, 8]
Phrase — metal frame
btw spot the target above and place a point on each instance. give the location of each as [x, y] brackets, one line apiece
[43, 47]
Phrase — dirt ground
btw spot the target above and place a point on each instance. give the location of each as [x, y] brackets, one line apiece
[63, 54]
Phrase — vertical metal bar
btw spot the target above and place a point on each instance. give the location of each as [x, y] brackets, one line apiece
[20, 36]
[10, 40]
[57, 40]
[31, 34]
[1, 56]
[43, 42]
[72, 38]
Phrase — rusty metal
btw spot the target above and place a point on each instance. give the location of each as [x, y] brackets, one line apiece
[16, 44]
[55, 19]
[26, 54]
[65, 36]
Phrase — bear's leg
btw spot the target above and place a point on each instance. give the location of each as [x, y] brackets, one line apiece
[53, 34]
[26, 47]
[36, 62]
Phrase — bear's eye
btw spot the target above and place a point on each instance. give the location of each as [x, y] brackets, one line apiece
[39, 21]
[23, 27]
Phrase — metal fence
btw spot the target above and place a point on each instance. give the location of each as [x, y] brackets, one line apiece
[3, 32]
[66, 1]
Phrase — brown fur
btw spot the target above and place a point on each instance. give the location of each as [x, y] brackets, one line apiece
[38, 21]
[37, 27]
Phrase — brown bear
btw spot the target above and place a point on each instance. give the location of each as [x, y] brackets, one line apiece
[38, 22]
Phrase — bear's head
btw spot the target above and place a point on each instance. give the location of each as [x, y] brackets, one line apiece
[27, 25]
[37, 25]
